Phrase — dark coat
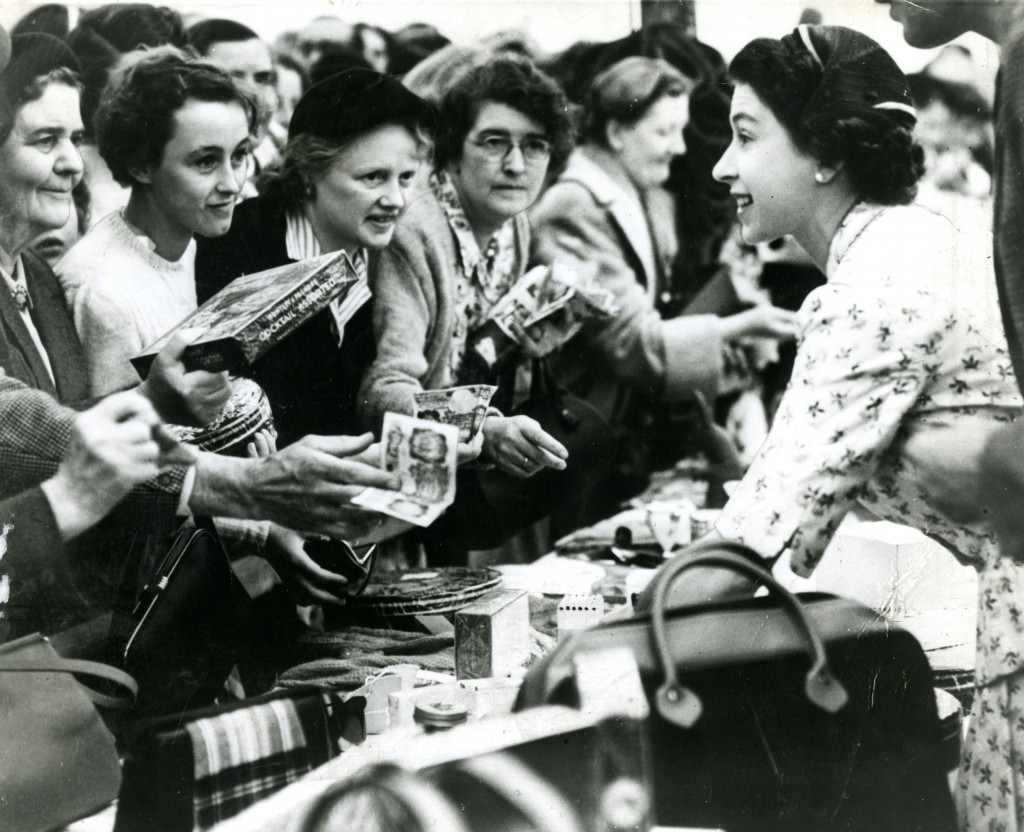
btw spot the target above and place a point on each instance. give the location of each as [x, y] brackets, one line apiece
[18, 354]
[311, 383]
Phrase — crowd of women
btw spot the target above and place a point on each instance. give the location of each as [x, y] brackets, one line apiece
[214, 158]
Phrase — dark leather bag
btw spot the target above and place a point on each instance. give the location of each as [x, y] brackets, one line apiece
[58, 761]
[776, 713]
[183, 637]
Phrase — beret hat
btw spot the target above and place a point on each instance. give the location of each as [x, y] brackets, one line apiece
[354, 101]
[33, 55]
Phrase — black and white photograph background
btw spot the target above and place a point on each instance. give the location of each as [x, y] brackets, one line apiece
[804, 357]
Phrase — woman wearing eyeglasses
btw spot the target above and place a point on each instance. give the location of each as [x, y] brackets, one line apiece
[608, 208]
[461, 246]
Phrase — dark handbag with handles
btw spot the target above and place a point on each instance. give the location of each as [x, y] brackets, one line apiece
[492, 506]
[58, 761]
[184, 635]
[776, 713]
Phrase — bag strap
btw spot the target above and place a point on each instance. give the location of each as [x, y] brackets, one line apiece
[682, 706]
[81, 667]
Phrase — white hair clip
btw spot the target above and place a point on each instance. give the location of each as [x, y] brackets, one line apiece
[896, 105]
[805, 36]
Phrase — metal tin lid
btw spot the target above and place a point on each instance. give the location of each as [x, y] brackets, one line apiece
[442, 714]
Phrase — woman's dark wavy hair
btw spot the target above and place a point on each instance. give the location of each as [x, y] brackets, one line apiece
[135, 120]
[515, 82]
[875, 147]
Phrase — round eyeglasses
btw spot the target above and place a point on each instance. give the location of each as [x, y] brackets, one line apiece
[498, 147]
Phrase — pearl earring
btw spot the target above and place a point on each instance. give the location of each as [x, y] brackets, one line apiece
[819, 177]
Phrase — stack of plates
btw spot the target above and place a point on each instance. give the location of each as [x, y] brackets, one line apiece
[445, 589]
[246, 412]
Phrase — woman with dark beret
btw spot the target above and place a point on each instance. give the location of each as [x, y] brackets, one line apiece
[355, 145]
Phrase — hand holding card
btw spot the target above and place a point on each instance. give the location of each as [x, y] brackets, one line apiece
[465, 407]
[423, 454]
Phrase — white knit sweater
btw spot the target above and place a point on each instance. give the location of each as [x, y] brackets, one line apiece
[124, 296]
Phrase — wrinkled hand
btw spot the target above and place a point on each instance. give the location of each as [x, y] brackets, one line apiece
[309, 582]
[308, 486]
[112, 449]
[519, 446]
[182, 398]
[763, 321]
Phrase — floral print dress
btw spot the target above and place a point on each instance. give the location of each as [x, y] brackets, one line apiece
[901, 366]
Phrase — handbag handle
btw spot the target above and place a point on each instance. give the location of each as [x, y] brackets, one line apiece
[679, 704]
[81, 667]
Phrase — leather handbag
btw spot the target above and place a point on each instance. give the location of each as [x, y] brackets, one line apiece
[58, 761]
[183, 636]
[775, 713]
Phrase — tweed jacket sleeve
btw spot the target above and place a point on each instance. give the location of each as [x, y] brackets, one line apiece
[35, 432]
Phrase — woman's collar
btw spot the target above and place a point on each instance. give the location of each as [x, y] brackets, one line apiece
[858, 218]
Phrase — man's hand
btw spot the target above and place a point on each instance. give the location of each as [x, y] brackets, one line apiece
[309, 582]
[308, 486]
[519, 446]
[183, 398]
[112, 449]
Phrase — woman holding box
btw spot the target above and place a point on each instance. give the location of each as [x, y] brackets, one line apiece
[355, 146]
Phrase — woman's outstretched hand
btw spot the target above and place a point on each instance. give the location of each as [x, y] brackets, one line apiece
[763, 321]
[519, 446]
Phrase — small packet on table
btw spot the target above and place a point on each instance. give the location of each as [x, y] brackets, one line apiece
[423, 454]
[465, 407]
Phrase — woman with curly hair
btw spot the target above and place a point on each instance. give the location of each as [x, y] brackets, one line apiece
[902, 370]
[176, 131]
[464, 244]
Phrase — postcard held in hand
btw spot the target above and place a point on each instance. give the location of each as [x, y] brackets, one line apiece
[465, 407]
[256, 311]
[423, 454]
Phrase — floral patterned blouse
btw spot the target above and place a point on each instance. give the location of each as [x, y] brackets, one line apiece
[900, 355]
[484, 277]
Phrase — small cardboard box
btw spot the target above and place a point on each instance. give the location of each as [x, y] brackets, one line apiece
[492, 635]
[579, 612]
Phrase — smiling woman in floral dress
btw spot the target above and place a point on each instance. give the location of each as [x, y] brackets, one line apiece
[902, 371]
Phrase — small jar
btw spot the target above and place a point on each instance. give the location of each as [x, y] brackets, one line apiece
[440, 716]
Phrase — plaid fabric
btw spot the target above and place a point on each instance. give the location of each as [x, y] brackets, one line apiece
[243, 756]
